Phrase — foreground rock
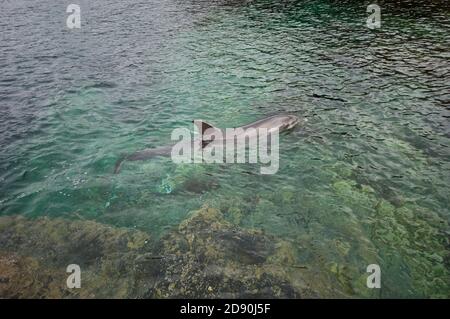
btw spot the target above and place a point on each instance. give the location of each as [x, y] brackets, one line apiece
[34, 255]
[209, 257]
[205, 257]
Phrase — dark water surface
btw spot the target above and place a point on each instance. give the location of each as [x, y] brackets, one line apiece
[363, 181]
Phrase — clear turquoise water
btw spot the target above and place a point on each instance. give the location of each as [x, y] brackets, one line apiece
[364, 181]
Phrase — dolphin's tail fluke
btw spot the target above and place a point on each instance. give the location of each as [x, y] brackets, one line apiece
[119, 163]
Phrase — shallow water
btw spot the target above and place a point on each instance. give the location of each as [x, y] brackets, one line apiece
[364, 180]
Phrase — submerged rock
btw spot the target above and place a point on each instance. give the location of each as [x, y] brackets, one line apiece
[208, 257]
[209, 254]
[417, 241]
[34, 255]
[204, 257]
[410, 240]
[26, 277]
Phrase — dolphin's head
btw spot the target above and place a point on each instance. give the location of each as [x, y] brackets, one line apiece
[285, 122]
[291, 121]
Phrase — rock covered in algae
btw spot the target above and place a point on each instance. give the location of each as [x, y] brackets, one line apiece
[205, 256]
[34, 255]
[26, 277]
[416, 239]
[411, 241]
[208, 257]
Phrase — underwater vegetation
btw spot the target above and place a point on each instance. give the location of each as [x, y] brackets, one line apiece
[205, 256]
[35, 254]
[341, 232]
[216, 253]
[411, 241]
[283, 242]
[210, 257]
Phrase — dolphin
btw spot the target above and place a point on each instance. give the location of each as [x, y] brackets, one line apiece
[272, 123]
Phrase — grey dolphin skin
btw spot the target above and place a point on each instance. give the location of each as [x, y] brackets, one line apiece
[276, 122]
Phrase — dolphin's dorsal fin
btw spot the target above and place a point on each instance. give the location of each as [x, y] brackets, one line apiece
[204, 143]
[203, 126]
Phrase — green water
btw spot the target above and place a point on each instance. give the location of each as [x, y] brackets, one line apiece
[363, 181]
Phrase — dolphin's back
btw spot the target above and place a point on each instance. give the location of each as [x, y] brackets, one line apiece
[149, 153]
[143, 155]
[277, 121]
